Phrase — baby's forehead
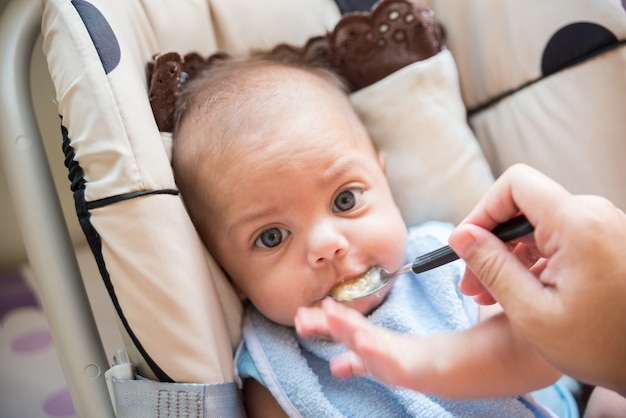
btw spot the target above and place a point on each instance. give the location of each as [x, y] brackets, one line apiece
[269, 91]
[275, 107]
[251, 90]
[283, 76]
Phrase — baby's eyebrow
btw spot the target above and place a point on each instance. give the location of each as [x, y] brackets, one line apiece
[340, 167]
[251, 217]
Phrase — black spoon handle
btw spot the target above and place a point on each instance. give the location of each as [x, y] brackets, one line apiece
[511, 229]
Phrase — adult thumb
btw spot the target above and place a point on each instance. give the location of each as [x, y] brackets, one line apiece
[507, 279]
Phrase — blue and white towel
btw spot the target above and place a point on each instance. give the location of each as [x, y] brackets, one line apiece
[296, 371]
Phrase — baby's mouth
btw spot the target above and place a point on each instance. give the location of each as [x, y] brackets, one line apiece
[353, 288]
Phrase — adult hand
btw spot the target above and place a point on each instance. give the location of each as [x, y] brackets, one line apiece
[565, 289]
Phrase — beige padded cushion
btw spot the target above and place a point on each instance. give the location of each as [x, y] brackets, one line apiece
[569, 125]
[434, 164]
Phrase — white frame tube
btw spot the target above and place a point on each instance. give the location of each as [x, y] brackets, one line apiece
[40, 218]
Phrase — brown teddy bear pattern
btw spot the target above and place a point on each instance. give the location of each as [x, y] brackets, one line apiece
[364, 47]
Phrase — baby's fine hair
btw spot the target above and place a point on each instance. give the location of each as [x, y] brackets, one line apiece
[226, 75]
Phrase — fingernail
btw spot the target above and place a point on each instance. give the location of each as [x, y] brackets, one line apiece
[462, 241]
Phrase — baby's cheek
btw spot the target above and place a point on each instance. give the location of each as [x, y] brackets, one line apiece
[397, 242]
[279, 305]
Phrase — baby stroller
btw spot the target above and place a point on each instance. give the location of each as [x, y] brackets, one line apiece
[539, 83]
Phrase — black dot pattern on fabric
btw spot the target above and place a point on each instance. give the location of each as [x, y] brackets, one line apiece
[574, 43]
[101, 34]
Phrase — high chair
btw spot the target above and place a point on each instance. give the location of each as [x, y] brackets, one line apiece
[533, 82]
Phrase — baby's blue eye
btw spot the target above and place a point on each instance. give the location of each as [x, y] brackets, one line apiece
[271, 237]
[347, 200]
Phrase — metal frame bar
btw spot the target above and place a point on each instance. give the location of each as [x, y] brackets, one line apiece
[40, 218]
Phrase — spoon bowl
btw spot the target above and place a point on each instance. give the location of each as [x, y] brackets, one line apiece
[371, 282]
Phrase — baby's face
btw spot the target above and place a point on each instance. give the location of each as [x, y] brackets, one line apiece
[303, 208]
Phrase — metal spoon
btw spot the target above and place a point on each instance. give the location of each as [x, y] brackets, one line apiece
[369, 284]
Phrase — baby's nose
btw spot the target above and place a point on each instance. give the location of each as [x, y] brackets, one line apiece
[326, 243]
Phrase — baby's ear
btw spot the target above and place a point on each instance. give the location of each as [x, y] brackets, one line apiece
[382, 160]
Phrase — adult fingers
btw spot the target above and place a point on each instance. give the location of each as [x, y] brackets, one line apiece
[506, 278]
[470, 285]
[519, 189]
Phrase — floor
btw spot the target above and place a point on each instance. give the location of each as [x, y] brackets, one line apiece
[32, 384]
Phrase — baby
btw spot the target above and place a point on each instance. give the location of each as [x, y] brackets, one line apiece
[289, 194]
